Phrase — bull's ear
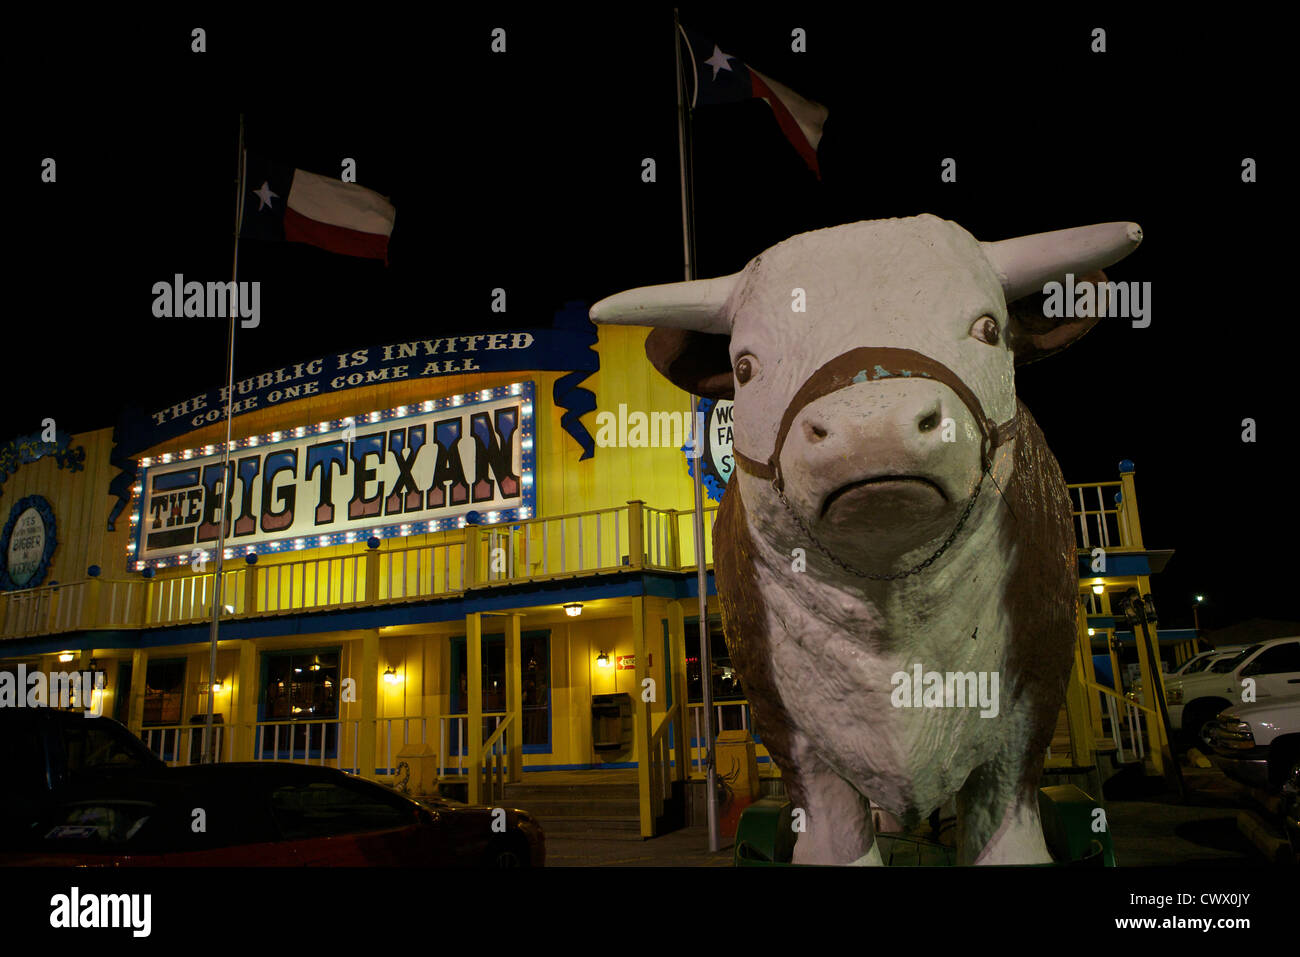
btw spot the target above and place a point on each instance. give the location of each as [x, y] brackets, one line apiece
[1035, 336]
[696, 362]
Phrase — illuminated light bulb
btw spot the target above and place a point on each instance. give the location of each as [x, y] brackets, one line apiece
[144, 462]
[514, 388]
[528, 408]
[428, 406]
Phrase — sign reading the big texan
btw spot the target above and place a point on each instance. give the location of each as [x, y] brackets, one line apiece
[409, 470]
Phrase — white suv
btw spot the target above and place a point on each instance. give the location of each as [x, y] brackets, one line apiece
[1259, 743]
[1270, 669]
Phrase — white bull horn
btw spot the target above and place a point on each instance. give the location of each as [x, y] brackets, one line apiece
[700, 305]
[1025, 263]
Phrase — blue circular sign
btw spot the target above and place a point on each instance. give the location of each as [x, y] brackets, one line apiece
[716, 454]
[27, 544]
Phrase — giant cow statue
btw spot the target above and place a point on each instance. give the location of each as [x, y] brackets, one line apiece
[895, 511]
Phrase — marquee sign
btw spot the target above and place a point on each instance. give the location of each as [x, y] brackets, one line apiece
[27, 544]
[413, 469]
[567, 346]
[717, 458]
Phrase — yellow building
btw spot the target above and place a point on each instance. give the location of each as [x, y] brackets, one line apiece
[431, 569]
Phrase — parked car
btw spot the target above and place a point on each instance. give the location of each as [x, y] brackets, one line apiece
[1257, 744]
[1201, 662]
[85, 791]
[1194, 700]
[51, 756]
[264, 813]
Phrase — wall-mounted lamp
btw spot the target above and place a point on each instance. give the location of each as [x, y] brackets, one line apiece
[217, 686]
[602, 660]
[573, 609]
[390, 676]
[1098, 588]
[1091, 632]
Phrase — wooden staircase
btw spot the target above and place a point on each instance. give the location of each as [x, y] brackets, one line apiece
[597, 805]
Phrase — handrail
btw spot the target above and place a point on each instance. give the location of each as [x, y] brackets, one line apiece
[1119, 697]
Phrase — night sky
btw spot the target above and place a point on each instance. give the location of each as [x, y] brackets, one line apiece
[522, 171]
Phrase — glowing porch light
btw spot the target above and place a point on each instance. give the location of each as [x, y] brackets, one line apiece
[391, 677]
[573, 609]
[602, 660]
[66, 657]
[1098, 588]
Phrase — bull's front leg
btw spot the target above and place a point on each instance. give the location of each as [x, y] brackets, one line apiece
[836, 820]
[997, 819]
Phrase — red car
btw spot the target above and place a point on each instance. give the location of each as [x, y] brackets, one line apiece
[270, 814]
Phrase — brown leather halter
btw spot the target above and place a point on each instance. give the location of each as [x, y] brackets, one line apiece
[867, 364]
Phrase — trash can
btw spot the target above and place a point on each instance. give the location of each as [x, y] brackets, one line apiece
[611, 724]
[417, 770]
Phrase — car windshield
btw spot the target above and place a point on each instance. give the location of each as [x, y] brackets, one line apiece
[1230, 664]
[1198, 664]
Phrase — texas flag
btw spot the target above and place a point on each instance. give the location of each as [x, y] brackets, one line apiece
[718, 77]
[293, 205]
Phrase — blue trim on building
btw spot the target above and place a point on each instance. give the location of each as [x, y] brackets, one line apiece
[1117, 564]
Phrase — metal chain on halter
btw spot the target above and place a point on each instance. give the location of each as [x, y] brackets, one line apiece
[880, 578]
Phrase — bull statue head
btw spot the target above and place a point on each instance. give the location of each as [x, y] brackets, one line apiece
[872, 368]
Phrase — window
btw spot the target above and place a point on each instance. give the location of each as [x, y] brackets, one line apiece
[164, 693]
[322, 809]
[1278, 660]
[91, 745]
[726, 683]
[535, 686]
[300, 696]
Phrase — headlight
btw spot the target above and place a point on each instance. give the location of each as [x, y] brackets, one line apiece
[1175, 696]
[1232, 733]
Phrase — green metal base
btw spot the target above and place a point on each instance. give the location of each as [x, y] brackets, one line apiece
[1074, 826]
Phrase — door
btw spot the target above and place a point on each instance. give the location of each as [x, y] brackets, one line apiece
[1276, 670]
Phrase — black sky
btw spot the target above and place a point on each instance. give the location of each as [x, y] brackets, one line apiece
[523, 171]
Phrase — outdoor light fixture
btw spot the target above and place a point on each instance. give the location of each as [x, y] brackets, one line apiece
[66, 657]
[573, 609]
[390, 676]
[216, 687]
[1098, 588]
[602, 660]
[1091, 632]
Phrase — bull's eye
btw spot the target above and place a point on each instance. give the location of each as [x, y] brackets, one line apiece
[746, 366]
[985, 329]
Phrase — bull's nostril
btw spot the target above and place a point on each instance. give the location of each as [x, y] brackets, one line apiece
[813, 432]
[930, 422]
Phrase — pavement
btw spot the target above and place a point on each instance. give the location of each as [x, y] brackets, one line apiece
[687, 847]
[1218, 826]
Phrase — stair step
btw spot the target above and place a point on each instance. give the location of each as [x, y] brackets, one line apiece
[566, 792]
[596, 828]
[545, 809]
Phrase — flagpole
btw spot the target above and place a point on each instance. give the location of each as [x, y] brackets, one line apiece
[218, 590]
[701, 576]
